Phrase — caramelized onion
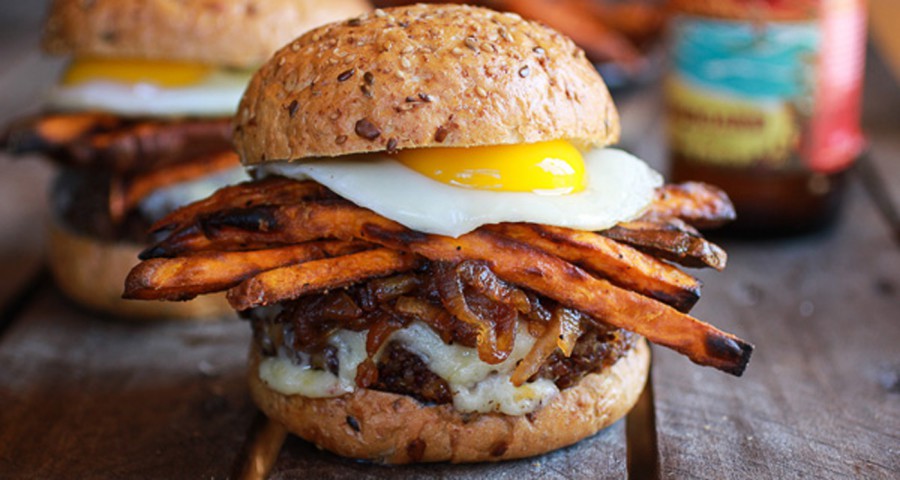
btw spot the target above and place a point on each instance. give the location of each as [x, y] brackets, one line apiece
[562, 332]
[492, 348]
[480, 277]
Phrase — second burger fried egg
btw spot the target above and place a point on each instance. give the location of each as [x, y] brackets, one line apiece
[149, 88]
[617, 187]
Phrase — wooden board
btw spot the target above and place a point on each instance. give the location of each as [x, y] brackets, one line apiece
[89, 397]
[821, 397]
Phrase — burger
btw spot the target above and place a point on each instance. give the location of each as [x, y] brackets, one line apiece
[440, 257]
[139, 123]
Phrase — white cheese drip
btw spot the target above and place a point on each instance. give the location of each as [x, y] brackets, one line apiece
[476, 386]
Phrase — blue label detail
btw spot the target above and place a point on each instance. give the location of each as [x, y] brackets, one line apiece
[771, 61]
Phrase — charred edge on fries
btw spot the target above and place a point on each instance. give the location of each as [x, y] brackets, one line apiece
[623, 287]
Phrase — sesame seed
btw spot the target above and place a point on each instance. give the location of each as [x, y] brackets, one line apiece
[441, 134]
[292, 108]
[399, 75]
[471, 43]
[481, 92]
[350, 58]
[456, 51]
[338, 53]
[344, 76]
[387, 46]
[408, 49]
[538, 50]
[427, 97]
[405, 62]
[379, 13]
[340, 140]
[366, 129]
[504, 34]
[295, 47]
[524, 71]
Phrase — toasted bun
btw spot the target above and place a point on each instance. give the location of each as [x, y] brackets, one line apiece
[398, 429]
[238, 33]
[92, 273]
[423, 76]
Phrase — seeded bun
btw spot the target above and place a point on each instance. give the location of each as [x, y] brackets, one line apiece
[391, 428]
[423, 76]
[235, 33]
[91, 272]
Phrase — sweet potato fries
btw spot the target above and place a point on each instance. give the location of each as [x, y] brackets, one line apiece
[318, 241]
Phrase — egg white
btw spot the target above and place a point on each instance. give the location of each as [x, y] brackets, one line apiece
[619, 187]
[218, 94]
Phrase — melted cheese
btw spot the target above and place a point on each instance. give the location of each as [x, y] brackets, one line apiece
[476, 386]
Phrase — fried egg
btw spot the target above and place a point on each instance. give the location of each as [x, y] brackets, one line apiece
[151, 88]
[444, 191]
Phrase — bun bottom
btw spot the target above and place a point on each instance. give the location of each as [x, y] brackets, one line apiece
[92, 273]
[391, 428]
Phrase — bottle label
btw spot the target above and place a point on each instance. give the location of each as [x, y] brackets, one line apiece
[756, 94]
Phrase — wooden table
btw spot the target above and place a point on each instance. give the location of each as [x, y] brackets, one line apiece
[83, 396]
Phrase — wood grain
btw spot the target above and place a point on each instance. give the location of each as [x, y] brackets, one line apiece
[86, 397]
[821, 396]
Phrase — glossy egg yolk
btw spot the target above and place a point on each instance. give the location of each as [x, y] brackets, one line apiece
[554, 167]
[159, 73]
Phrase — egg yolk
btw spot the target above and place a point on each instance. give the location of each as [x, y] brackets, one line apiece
[160, 73]
[554, 167]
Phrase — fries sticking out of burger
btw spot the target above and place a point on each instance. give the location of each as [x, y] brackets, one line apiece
[140, 123]
[441, 260]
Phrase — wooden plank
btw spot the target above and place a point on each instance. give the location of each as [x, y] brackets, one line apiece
[87, 397]
[820, 396]
[599, 457]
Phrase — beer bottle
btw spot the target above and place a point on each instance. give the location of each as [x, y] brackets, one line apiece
[763, 100]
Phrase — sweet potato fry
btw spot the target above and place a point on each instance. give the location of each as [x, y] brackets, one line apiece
[296, 280]
[697, 204]
[599, 41]
[186, 277]
[126, 194]
[265, 226]
[511, 260]
[620, 264]
[268, 191]
[51, 132]
[147, 145]
[672, 240]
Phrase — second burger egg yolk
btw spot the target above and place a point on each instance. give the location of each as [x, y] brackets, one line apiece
[554, 167]
[159, 73]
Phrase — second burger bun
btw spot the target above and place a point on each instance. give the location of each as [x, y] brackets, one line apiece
[91, 271]
[234, 33]
[392, 428]
[423, 76]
